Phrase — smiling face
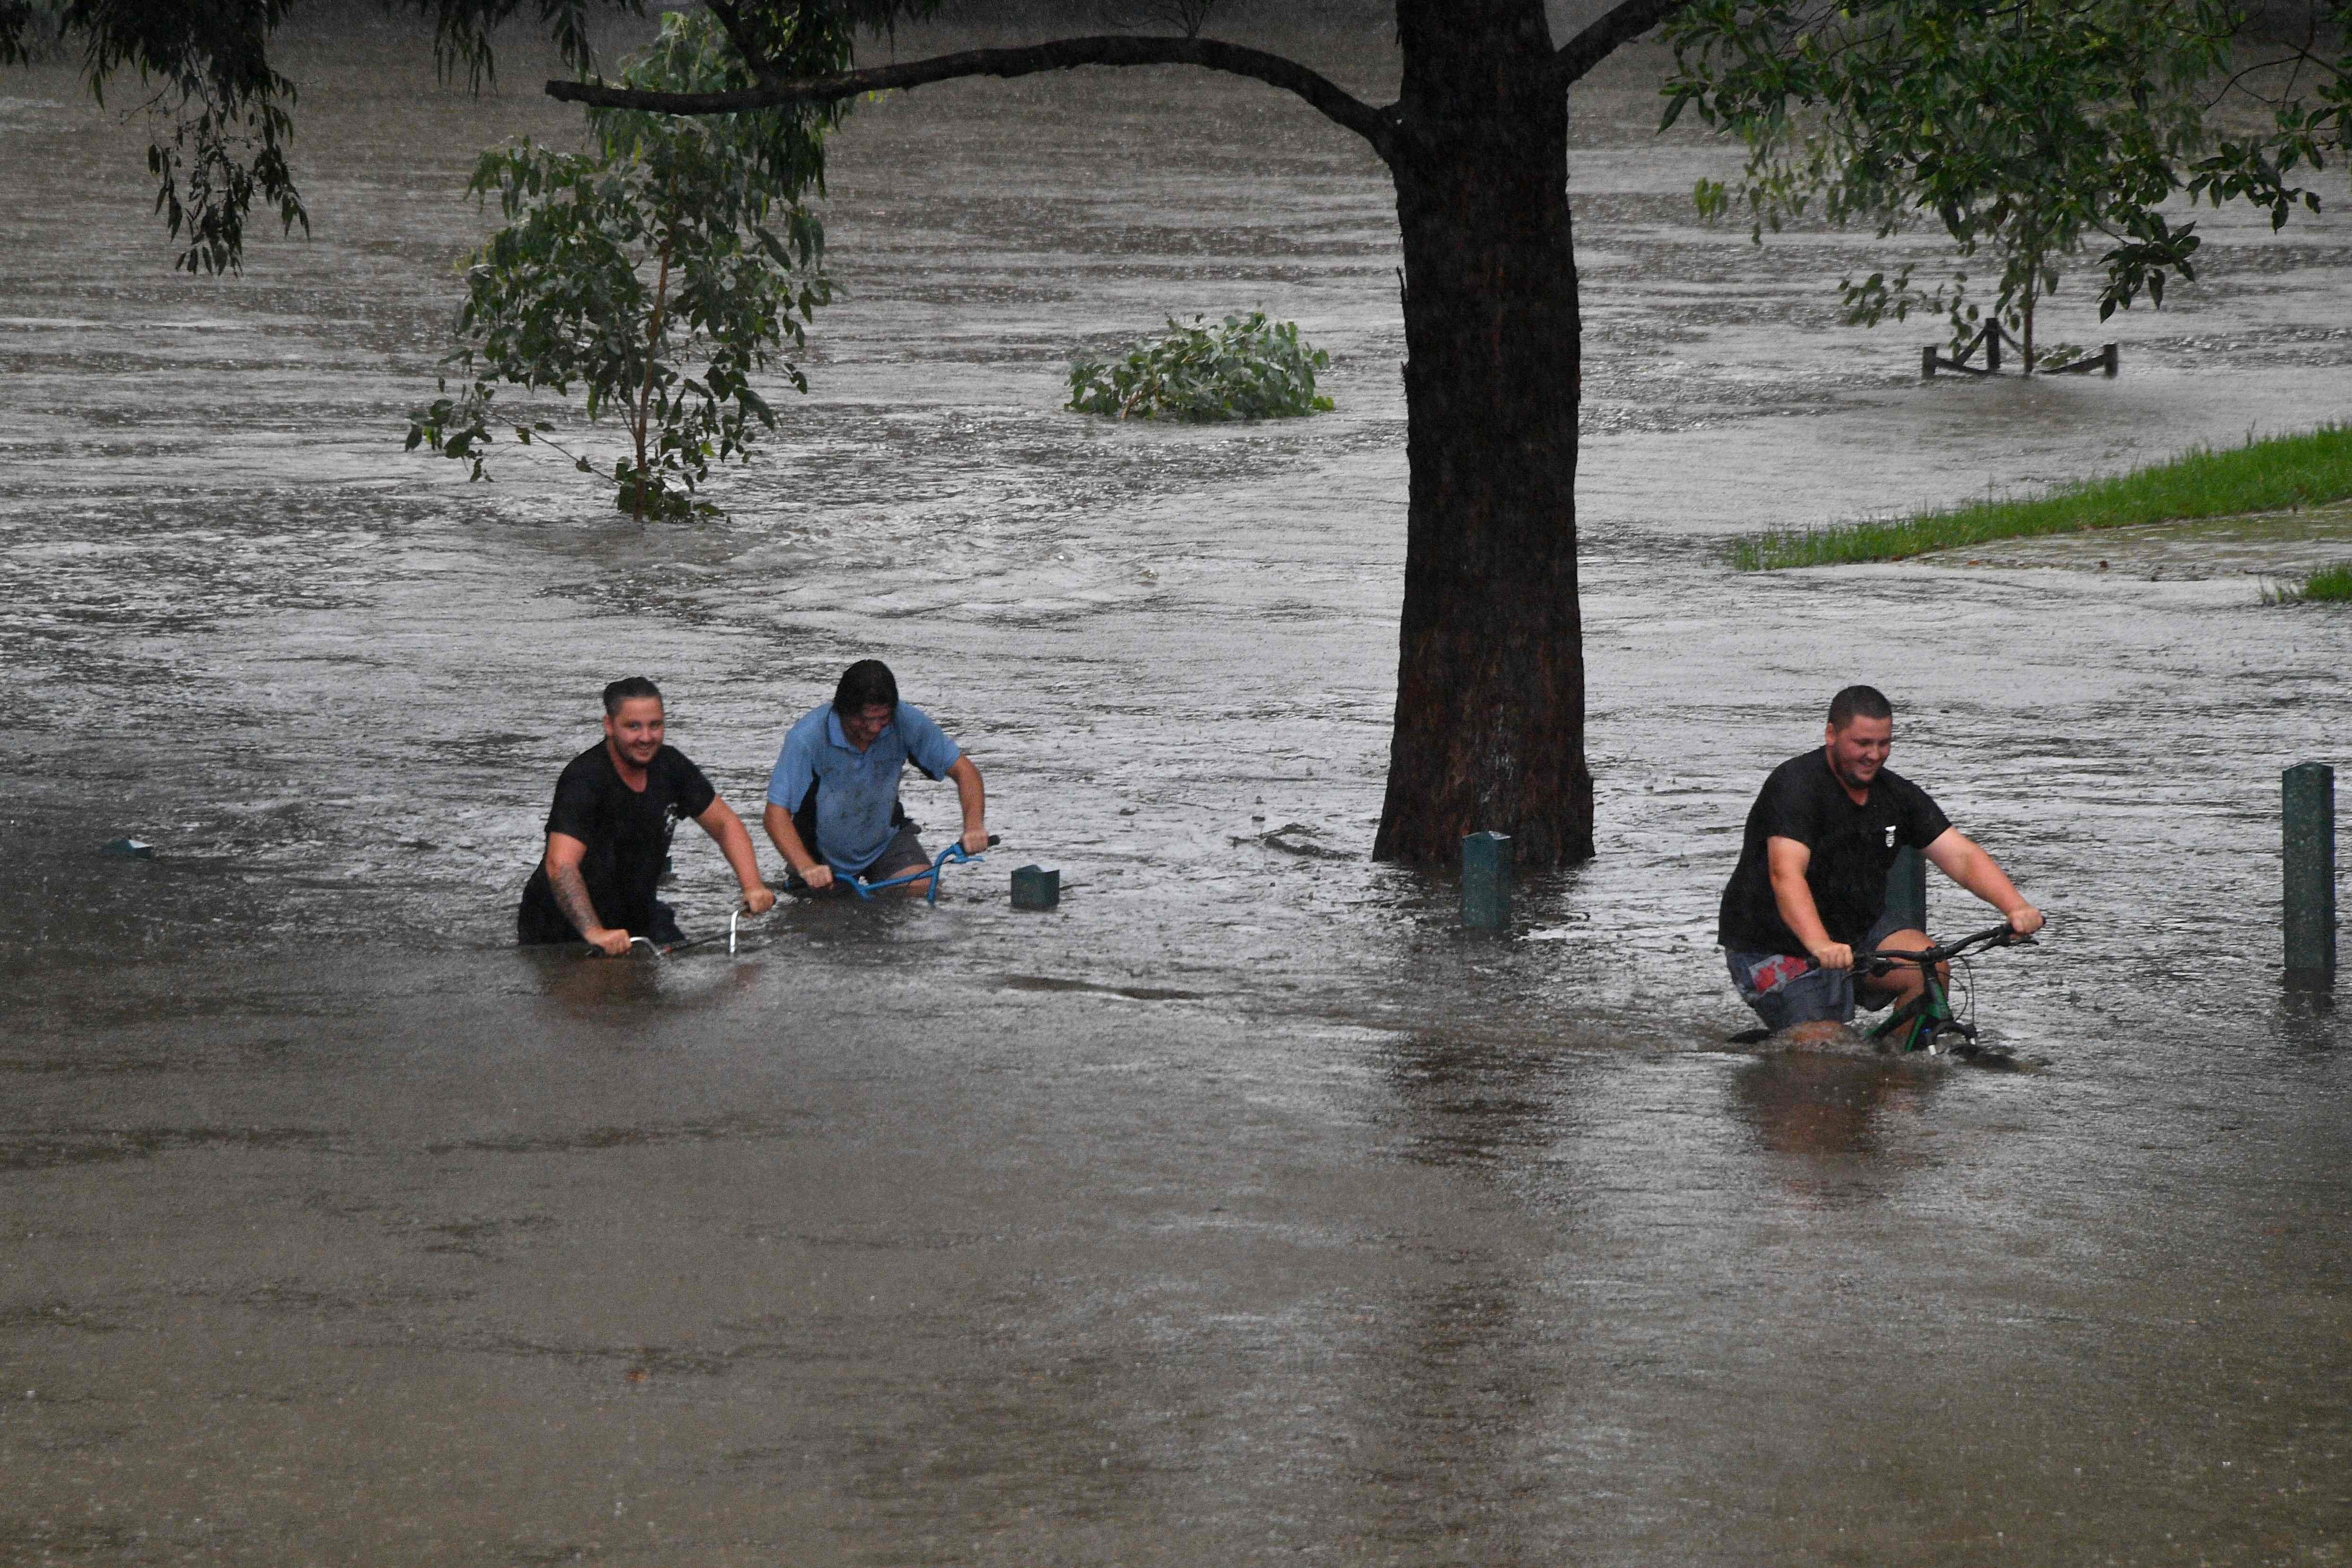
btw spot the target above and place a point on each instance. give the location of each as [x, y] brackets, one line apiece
[865, 727]
[1859, 749]
[635, 734]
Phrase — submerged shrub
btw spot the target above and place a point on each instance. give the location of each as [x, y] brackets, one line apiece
[1248, 368]
[2330, 582]
[2329, 585]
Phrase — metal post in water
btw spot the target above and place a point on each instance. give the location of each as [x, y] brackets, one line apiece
[1486, 882]
[1035, 888]
[2308, 799]
[1907, 887]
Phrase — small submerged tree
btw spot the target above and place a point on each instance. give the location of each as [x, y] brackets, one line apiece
[2029, 130]
[657, 273]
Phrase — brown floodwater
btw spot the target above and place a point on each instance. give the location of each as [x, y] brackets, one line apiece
[1242, 1209]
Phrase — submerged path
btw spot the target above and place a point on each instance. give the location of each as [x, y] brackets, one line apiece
[1240, 1210]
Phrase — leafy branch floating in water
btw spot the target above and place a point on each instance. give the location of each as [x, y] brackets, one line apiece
[1246, 368]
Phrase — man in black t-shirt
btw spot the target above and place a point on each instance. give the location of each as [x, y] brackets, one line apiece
[608, 834]
[1810, 886]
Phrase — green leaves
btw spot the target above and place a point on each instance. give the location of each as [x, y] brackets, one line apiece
[462, 31]
[2030, 129]
[202, 69]
[2305, 129]
[1246, 368]
[654, 275]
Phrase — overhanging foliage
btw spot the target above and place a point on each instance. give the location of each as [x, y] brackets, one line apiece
[2030, 129]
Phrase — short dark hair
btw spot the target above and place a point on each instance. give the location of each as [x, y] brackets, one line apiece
[864, 684]
[1859, 702]
[621, 691]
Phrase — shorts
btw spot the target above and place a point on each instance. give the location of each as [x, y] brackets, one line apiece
[903, 853]
[1787, 990]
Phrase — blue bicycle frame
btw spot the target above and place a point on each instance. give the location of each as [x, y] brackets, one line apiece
[954, 854]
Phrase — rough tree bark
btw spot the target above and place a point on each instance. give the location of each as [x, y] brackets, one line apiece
[1490, 669]
[1490, 672]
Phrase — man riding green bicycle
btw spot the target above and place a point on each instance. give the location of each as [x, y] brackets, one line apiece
[1810, 886]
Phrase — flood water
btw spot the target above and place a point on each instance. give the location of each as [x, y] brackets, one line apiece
[1242, 1209]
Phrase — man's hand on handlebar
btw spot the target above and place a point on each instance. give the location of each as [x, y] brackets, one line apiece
[1834, 955]
[2025, 919]
[610, 941]
[817, 878]
[975, 840]
[759, 899]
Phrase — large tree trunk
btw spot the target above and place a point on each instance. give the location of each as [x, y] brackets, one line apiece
[1490, 675]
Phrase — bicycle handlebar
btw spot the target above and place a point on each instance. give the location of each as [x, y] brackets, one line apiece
[1880, 959]
[954, 854]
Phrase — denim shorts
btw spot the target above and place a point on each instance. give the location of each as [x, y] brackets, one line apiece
[1786, 989]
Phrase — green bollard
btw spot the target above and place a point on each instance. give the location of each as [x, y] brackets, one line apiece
[1907, 887]
[1486, 882]
[2307, 792]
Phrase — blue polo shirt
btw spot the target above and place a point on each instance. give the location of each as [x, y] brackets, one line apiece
[857, 793]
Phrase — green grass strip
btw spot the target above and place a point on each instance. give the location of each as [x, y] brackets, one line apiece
[2271, 475]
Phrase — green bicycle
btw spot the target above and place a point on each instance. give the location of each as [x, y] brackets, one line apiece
[1929, 1022]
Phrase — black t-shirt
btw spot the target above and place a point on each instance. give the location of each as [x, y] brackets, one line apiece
[1854, 847]
[627, 836]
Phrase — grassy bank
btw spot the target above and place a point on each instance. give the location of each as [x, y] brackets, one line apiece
[2260, 475]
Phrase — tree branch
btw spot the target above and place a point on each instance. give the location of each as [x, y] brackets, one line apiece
[1377, 126]
[1621, 23]
[2296, 58]
[731, 21]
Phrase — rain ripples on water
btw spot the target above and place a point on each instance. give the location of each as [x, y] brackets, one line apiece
[1291, 1212]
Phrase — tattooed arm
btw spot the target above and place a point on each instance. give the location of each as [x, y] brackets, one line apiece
[564, 880]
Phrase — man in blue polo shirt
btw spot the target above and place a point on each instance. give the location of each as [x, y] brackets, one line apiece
[832, 800]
